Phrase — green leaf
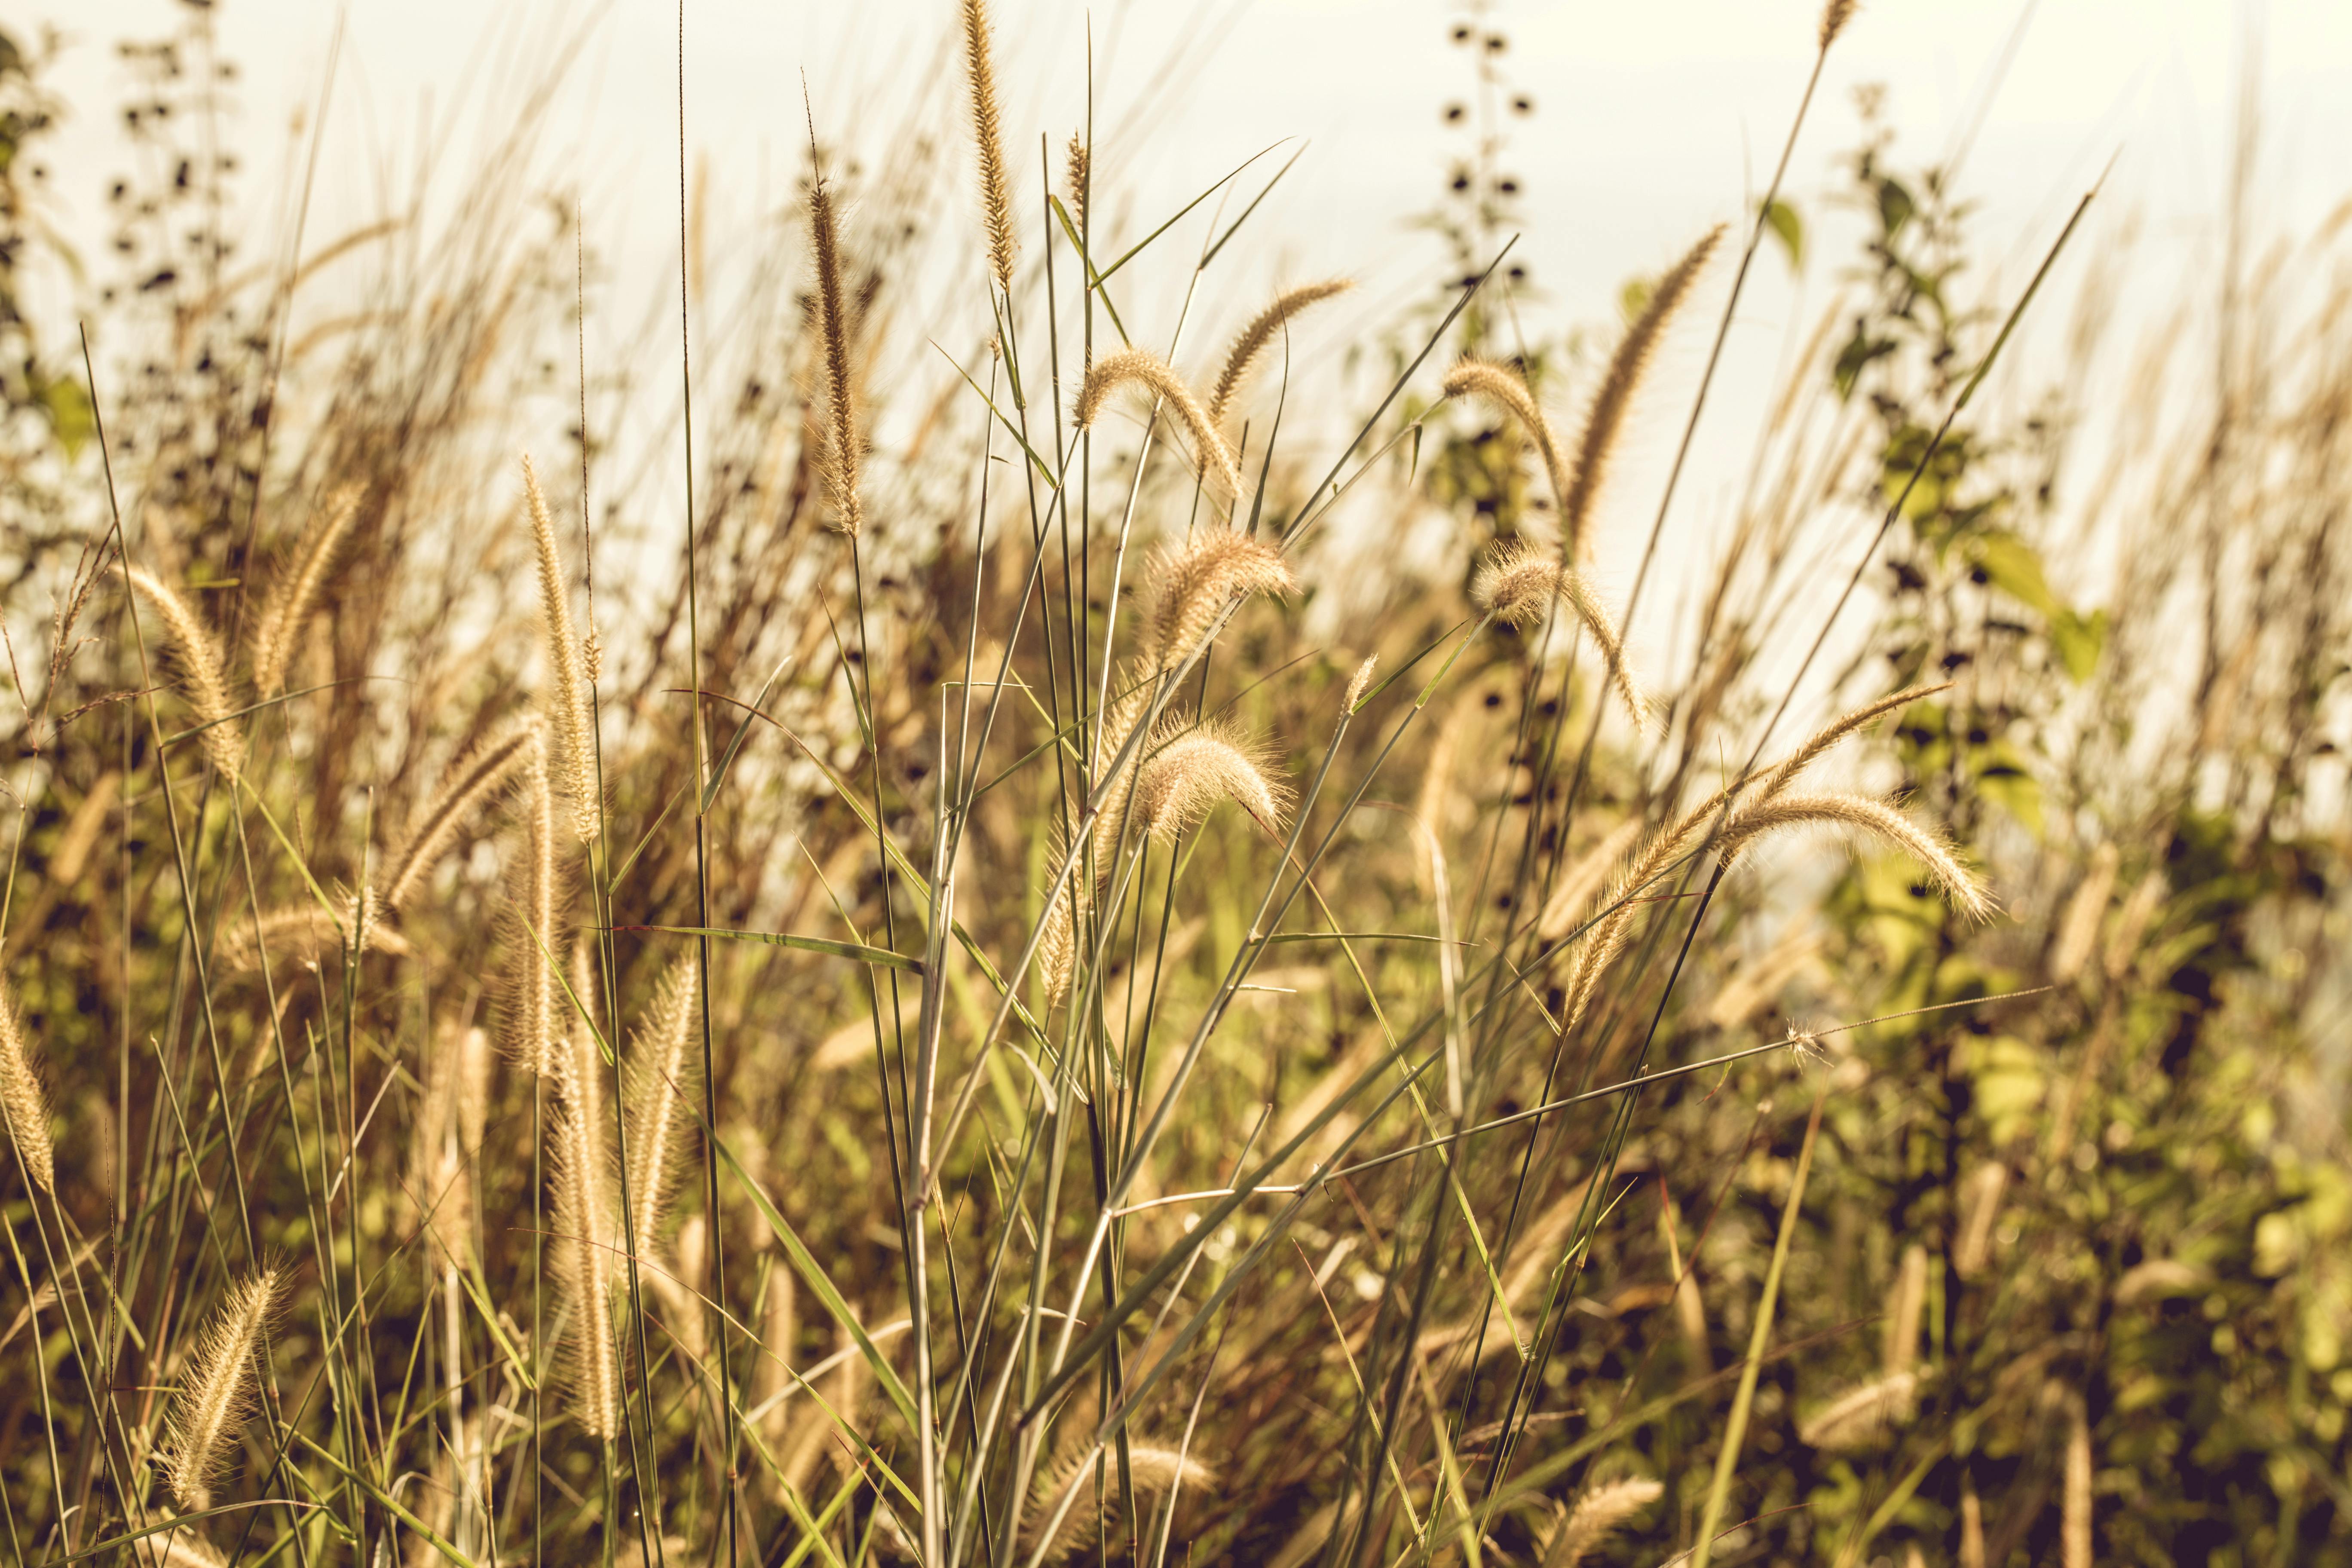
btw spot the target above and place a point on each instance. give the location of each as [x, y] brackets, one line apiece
[1856, 357]
[65, 403]
[2014, 567]
[2079, 640]
[1894, 207]
[1781, 218]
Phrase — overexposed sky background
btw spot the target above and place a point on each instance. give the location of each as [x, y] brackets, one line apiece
[1652, 121]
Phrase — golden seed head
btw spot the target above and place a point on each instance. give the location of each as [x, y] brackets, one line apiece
[24, 1105]
[1834, 17]
[1193, 585]
[1192, 772]
[1514, 585]
[1251, 345]
[1142, 367]
[995, 203]
[1359, 683]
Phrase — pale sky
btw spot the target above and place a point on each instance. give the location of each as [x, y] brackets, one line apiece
[1653, 118]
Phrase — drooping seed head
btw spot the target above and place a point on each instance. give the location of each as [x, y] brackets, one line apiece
[1834, 17]
[1141, 367]
[1862, 1415]
[1183, 779]
[1503, 386]
[203, 674]
[1514, 585]
[1251, 345]
[296, 592]
[1192, 586]
[1875, 818]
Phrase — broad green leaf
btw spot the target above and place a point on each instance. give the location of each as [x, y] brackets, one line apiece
[1780, 217]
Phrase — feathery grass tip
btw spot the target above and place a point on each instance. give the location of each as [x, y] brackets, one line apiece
[1508, 390]
[206, 685]
[1193, 585]
[23, 1103]
[1599, 1514]
[987, 128]
[567, 673]
[842, 451]
[216, 1390]
[295, 594]
[1117, 369]
[1251, 345]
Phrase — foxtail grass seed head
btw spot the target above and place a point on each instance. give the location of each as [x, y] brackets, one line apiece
[1516, 586]
[1874, 819]
[1503, 386]
[844, 448]
[1250, 346]
[1156, 1471]
[23, 1104]
[202, 673]
[1079, 174]
[583, 1215]
[1359, 683]
[1141, 367]
[1599, 1514]
[663, 1072]
[1192, 586]
[534, 1014]
[987, 129]
[1192, 773]
[468, 786]
[1058, 947]
[1834, 17]
[1785, 771]
[567, 673]
[218, 1389]
[296, 592]
[1604, 419]
[1862, 1416]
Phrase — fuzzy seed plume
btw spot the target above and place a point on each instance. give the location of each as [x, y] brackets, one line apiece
[1863, 1415]
[2078, 929]
[1862, 814]
[534, 1015]
[1192, 772]
[1614, 927]
[1138, 366]
[1834, 17]
[1604, 419]
[1572, 895]
[1080, 173]
[1192, 587]
[1516, 587]
[567, 671]
[457, 1081]
[1784, 772]
[662, 1072]
[177, 1549]
[296, 592]
[1156, 1471]
[1251, 345]
[1599, 1514]
[201, 671]
[1503, 386]
[23, 1104]
[1057, 945]
[1359, 683]
[842, 449]
[583, 1221]
[470, 785]
[987, 130]
[216, 1390]
[302, 934]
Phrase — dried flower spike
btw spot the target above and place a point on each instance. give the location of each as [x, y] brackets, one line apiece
[1605, 419]
[1862, 814]
[222, 737]
[1516, 586]
[1116, 370]
[662, 1071]
[567, 704]
[1193, 585]
[1508, 390]
[470, 786]
[1251, 345]
[23, 1104]
[1192, 773]
[296, 593]
[1599, 1514]
[995, 205]
[1834, 17]
[838, 463]
[216, 1390]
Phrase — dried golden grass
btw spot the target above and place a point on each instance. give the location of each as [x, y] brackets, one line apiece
[24, 1103]
[295, 594]
[1141, 367]
[204, 676]
[1251, 345]
[218, 1388]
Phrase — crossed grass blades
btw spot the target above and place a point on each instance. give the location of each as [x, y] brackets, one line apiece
[968, 1034]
